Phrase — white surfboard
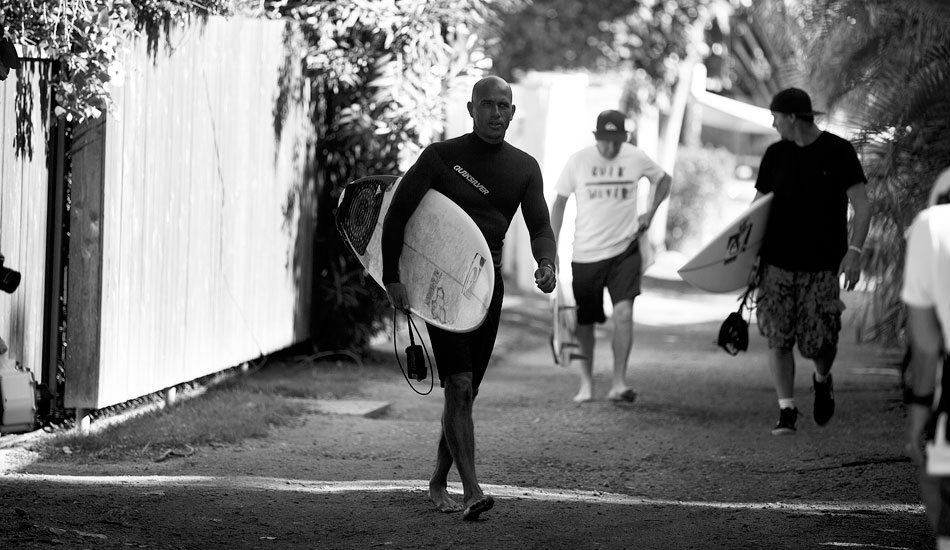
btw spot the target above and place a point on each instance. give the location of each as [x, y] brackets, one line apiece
[445, 262]
[725, 263]
[564, 343]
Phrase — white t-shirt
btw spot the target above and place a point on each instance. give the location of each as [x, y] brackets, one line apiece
[605, 191]
[926, 285]
[927, 267]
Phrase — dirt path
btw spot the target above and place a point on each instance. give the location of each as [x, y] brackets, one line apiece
[690, 465]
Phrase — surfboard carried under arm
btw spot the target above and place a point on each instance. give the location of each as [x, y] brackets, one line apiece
[445, 262]
[725, 263]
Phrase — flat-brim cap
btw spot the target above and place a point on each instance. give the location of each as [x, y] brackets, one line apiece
[793, 101]
[611, 126]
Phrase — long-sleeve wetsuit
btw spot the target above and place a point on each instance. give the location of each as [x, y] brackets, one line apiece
[489, 181]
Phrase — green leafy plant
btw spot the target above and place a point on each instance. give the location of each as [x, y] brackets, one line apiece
[379, 72]
[87, 37]
[645, 40]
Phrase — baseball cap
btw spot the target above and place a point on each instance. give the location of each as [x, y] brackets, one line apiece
[611, 126]
[793, 101]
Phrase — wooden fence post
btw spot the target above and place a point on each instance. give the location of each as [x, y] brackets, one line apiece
[84, 285]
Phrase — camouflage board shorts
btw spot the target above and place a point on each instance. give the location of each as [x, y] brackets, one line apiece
[799, 306]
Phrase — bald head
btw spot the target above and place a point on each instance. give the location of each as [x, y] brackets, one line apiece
[490, 84]
[491, 108]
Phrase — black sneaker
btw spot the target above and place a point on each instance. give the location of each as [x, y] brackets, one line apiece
[786, 422]
[824, 400]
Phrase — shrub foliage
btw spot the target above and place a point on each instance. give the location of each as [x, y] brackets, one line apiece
[701, 173]
[87, 37]
[379, 72]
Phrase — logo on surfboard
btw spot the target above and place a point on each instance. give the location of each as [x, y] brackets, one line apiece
[738, 241]
[435, 297]
[474, 272]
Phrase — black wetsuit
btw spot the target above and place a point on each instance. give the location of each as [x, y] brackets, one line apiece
[489, 181]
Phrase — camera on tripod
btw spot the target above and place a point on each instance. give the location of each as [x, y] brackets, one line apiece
[416, 363]
[9, 279]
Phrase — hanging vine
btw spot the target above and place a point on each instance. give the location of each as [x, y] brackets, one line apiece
[87, 38]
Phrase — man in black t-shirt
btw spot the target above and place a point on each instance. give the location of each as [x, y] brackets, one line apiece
[813, 176]
[489, 179]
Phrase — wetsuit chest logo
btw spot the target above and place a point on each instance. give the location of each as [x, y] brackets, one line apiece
[471, 179]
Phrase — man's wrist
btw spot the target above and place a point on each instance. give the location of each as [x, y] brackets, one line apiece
[548, 264]
[856, 248]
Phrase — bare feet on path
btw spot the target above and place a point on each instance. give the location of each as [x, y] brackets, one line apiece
[446, 504]
[585, 394]
[476, 506]
[622, 395]
[443, 502]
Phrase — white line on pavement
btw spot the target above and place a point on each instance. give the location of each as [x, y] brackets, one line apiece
[502, 491]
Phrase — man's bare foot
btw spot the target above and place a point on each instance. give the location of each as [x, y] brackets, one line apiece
[622, 395]
[584, 395]
[443, 502]
[476, 506]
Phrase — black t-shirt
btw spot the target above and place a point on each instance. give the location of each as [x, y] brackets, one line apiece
[808, 222]
[489, 181]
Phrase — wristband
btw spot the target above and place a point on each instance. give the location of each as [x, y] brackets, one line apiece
[911, 398]
[857, 249]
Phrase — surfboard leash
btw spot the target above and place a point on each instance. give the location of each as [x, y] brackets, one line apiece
[418, 362]
[734, 331]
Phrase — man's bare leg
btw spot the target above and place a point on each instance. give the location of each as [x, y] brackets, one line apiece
[438, 484]
[622, 343]
[782, 365]
[585, 337]
[459, 430]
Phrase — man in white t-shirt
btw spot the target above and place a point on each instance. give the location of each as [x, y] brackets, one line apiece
[603, 179]
[926, 292]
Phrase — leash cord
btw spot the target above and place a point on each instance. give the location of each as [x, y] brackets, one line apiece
[412, 342]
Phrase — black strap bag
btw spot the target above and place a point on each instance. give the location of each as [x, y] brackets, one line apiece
[734, 331]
